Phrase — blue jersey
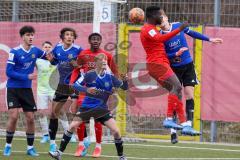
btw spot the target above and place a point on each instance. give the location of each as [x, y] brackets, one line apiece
[103, 83]
[174, 44]
[20, 64]
[62, 57]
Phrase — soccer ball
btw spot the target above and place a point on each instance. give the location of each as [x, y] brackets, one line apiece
[136, 15]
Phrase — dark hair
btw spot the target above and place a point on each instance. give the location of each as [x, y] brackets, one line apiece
[62, 32]
[94, 34]
[151, 11]
[46, 42]
[26, 29]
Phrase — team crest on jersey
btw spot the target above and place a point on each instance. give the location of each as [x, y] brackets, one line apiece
[152, 32]
[107, 84]
[22, 57]
[70, 56]
[33, 55]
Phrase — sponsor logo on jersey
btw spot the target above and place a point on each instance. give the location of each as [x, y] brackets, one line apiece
[175, 43]
[27, 65]
[87, 56]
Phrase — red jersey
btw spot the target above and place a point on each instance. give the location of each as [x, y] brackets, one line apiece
[86, 59]
[153, 43]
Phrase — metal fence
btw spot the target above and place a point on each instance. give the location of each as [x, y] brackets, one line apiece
[193, 11]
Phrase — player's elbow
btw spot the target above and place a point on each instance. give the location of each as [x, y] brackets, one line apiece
[9, 72]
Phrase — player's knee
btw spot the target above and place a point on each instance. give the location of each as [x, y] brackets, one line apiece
[177, 89]
[116, 133]
[53, 115]
[13, 119]
[188, 95]
[30, 119]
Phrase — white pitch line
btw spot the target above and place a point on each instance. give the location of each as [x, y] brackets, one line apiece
[167, 146]
[161, 146]
[107, 156]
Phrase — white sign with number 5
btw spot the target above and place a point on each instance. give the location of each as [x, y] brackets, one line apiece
[106, 12]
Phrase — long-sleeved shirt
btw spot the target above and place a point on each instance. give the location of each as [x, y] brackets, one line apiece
[174, 44]
[103, 83]
[20, 64]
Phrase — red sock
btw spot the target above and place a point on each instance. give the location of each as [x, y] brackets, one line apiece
[81, 131]
[180, 112]
[172, 104]
[98, 132]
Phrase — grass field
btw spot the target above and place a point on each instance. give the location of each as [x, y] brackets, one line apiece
[138, 151]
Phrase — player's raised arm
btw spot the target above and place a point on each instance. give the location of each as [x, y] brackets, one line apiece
[162, 38]
[203, 37]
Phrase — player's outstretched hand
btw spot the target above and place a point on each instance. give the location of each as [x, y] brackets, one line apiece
[216, 40]
[184, 25]
[32, 76]
[123, 77]
[181, 50]
[92, 90]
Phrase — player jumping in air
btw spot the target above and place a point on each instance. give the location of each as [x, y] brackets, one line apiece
[98, 85]
[159, 68]
[182, 62]
[86, 60]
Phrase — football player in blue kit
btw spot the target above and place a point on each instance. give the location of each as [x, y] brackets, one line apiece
[19, 70]
[182, 62]
[64, 55]
[98, 85]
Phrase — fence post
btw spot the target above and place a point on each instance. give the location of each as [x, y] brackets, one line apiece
[217, 18]
[15, 11]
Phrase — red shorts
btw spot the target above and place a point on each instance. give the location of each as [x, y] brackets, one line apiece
[160, 71]
[81, 96]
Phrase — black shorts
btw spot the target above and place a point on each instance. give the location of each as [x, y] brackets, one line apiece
[186, 74]
[21, 98]
[99, 114]
[62, 93]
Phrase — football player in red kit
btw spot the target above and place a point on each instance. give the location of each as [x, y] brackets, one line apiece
[159, 68]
